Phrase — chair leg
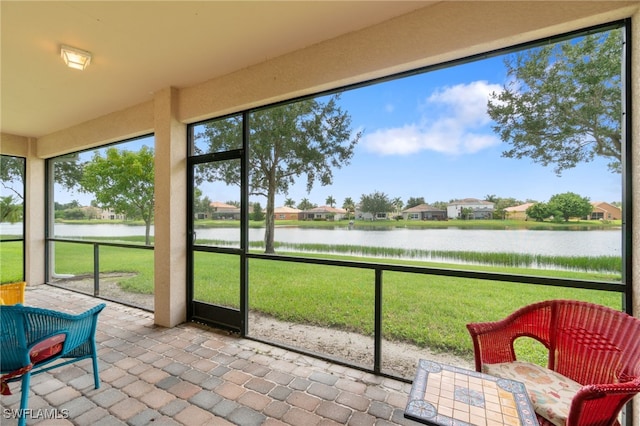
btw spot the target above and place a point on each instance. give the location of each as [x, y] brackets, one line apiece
[94, 357]
[24, 399]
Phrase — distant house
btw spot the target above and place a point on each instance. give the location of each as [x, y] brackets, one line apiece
[360, 215]
[224, 211]
[605, 211]
[424, 212]
[109, 214]
[478, 209]
[287, 213]
[518, 212]
[325, 213]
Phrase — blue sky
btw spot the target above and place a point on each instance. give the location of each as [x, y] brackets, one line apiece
[429, 136]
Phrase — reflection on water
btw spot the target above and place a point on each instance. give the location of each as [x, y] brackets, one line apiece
[548, 242]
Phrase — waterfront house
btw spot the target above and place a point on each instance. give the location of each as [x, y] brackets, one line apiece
[517, 212]
[324, 213]
[287, 213]
[224, 211]
[605, 211]
[360, 215]
[424, 212]
[470, 208]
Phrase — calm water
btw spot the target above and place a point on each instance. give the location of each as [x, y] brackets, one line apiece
[561, 243]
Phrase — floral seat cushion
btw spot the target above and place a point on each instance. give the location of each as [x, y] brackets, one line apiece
[551, 393]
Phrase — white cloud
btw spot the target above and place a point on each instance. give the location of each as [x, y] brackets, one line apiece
[454, 121]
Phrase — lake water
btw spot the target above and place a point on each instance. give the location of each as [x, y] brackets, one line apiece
[549, 242]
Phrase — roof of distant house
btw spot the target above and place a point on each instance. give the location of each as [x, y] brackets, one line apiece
[470, 201]
[326, 209]
[220, 205]
[520, 208]
[422, 208]
[286, 209]
[598, 203]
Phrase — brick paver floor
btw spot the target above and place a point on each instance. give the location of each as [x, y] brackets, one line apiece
[195, 375]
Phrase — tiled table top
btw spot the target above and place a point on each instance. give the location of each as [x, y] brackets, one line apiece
[450, 396]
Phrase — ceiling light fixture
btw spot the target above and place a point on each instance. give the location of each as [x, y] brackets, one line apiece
[75, 58]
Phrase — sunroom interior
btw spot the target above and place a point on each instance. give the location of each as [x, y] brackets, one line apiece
[165, 71]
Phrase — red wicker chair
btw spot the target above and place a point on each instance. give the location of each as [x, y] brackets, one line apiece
[595, 346]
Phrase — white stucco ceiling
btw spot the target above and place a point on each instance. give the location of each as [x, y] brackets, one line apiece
[143, 46]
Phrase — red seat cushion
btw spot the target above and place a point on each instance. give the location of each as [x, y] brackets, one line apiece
[47, 348]
[40, 352]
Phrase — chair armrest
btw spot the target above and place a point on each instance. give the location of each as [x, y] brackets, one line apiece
[601, 403]
[492, 343]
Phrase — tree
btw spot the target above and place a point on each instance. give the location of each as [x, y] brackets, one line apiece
[499, 204]
[258, 214]
[71, 205]
[74, 214]
[308, 138]
[123, 181]
[377, 202]
[12, 173]
[202, 205]
[466, 213]
[349, 206]
[305, 204]
[539, 212]
[440, 205]
[330, 201]
[570, 205]
[289, 202]
[414, 201]
[397, 204]
[10, 212]
[563, 104]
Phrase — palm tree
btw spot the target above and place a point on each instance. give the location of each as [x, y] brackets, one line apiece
[397, 203]
[349, 206]
[289, 202]
[305, 204]
[330, 201]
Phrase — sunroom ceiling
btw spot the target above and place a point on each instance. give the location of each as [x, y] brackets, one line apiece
[140, 47]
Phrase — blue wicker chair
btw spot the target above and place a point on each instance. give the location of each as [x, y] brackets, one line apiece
[35, 340]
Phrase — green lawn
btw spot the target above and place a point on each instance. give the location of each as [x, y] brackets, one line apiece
[426, 310]
[11, 261]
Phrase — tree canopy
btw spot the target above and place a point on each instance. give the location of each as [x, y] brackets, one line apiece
[569, 205]
[414, 201]
[12, 175]
[563, 102]
[538, 211]
[123, 181]
[376, 202]
[10, 211]
[309, 139]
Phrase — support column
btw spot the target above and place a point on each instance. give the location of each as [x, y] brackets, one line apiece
[34, 216]
[635, 173]
[170, 211]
